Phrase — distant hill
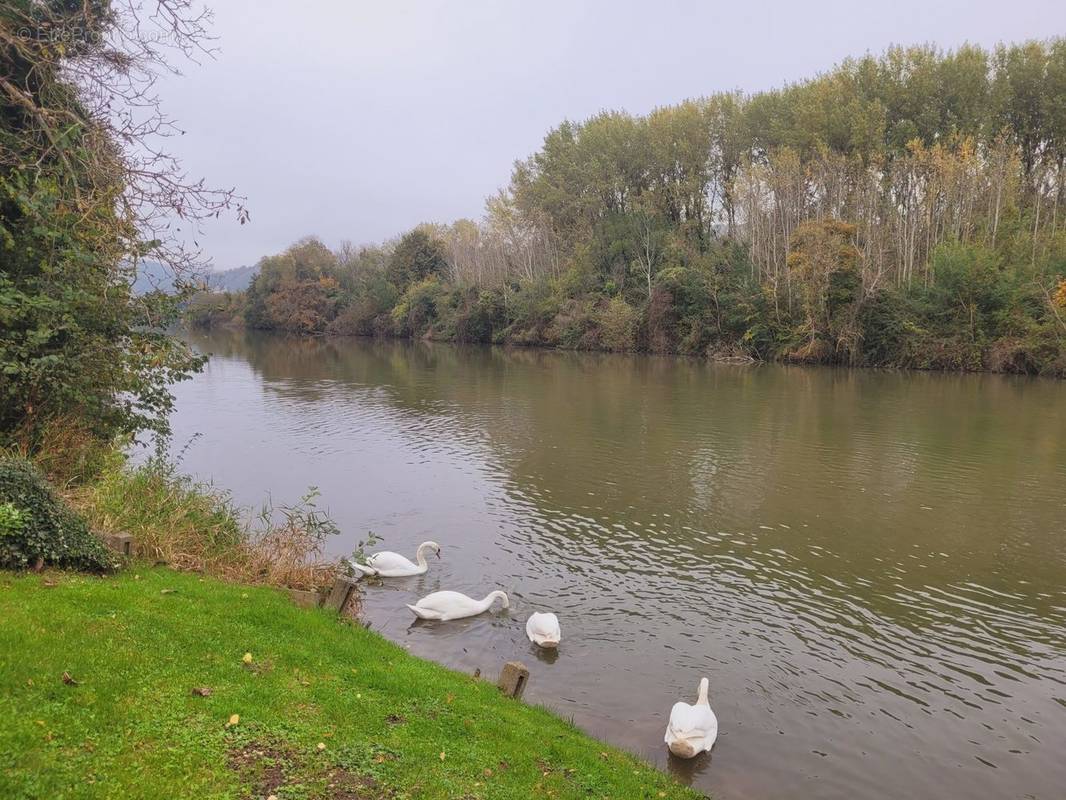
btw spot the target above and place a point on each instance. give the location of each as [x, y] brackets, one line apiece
[153, 276]
[231, 280]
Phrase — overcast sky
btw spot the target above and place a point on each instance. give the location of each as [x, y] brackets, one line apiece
[357, 120]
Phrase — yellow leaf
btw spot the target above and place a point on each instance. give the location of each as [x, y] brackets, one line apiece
[233, 720]
[441, 755]
[247, 658]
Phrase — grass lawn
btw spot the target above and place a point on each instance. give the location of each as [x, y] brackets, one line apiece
[96, 701]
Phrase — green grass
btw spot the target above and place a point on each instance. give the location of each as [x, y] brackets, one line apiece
[392, 725]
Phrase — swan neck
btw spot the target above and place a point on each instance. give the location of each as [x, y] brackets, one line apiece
[420, 554]
[493, 595]
[702, 699]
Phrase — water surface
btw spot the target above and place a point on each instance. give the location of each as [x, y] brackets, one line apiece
[869, 567]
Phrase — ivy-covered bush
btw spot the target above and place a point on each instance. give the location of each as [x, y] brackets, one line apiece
[36, 524]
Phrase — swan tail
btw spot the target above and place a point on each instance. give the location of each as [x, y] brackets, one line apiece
[683, 748]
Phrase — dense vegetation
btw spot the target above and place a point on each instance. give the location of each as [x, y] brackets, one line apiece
[98, 680]
[86, 193]
[38, 529]
[902, 210]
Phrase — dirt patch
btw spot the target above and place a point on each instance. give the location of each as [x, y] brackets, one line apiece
[262, 767]
[266, 768]
[345, 785]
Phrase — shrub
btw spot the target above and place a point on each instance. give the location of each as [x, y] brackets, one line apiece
[416, 311]
[479, 316]
[356, 320]
[618, 323]
[214, 309]
[37, 527]
[531, 309]
[574, 327]
[679, 318]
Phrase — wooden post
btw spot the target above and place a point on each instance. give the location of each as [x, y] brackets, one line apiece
[305, 599]
[513, 679]
[121, 543]
[338, 596]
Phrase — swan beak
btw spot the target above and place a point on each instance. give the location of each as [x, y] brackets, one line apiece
[438, 554]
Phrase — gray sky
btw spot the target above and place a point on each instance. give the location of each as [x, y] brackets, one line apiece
[356, 120]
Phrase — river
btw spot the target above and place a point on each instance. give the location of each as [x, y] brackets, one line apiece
[868, 566]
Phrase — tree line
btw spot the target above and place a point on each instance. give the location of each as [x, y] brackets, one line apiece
[899, 210]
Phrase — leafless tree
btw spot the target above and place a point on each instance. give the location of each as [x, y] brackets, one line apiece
[110, 57]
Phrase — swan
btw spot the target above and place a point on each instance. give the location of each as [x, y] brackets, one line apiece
[692, 729]
[543, 630]
[388, 564]
[454, 605]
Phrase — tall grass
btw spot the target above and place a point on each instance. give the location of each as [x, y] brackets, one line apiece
[185, 523]
[191, 525]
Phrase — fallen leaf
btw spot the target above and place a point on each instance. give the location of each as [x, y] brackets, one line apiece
[441, 755]
[48, 583]
[167, 591]
[487, 772]
[321, 746]
[202, 691]
[247, 659]
[233, 720]
[69, 681]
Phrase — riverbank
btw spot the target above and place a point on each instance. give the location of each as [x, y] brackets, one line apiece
[983, 314]
[135, 685]
[736, 355]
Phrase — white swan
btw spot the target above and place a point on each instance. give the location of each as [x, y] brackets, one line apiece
[454, 605]
[692, 729]
[388, 564]
[543, 630]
